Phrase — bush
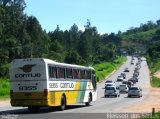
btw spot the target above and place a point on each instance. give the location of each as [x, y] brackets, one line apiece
[155, 82]
[4, 70]
[4, 87]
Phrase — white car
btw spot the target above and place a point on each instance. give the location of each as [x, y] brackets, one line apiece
[120, 78]
[109, 84]
[111, 91]
[123, 88]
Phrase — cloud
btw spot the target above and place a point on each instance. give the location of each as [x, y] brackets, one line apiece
[81, 28]
[101, 32]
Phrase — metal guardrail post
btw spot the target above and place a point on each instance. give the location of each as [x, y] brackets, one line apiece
[153, 111]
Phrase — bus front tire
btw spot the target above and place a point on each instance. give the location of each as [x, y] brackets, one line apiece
[63, 103]
[89, 100]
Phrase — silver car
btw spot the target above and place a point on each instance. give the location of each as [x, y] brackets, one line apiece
[111, 91]
[135, 91]
[120, 78]
[123, 88]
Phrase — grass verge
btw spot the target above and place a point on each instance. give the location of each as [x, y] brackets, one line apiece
[155, 82]
[4, 89]
[105, 68]
[154, 66]
[155, 116]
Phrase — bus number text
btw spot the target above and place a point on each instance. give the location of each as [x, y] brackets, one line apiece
[53, 85]
[27, 88]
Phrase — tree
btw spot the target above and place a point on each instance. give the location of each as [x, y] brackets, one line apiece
[56, 51]
[72, 57]
[73, 38]
[158, 22]
[35, 32]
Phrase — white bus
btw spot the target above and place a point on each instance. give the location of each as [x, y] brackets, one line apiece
[39, 82]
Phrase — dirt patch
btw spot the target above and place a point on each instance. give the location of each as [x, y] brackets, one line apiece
[4, 103]
[157, 74]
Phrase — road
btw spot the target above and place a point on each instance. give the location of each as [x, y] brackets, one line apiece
[99, 108]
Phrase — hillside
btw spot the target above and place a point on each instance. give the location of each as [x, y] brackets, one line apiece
[143, 35]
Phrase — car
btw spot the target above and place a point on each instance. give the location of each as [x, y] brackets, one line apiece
[111, 91]
[109, 81]
[123, 75]
[126, 70]
[120, 78]
[135, 78]
[135, 91]
[132, 80]
[129, 84]
[136, 71]
[137, 64]
[123, 88]
[132, 63]
[109, 84]
[125, 82]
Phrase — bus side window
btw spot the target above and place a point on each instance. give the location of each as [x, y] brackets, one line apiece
[52, 72]
[85, 74]
[82, 74]
[69, 73]
[57, 72]
[79, 74]
[75, 72]
[88, 74]
[73, 77]
[61, 72]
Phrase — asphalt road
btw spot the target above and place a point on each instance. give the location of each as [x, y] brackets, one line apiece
[98, 109]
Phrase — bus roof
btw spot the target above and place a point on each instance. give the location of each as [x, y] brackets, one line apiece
[49, 61]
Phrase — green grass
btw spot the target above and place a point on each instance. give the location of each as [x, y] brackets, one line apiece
[155, 82]
[154, 66]
[104, 69]
[155, 116]
[4, 88]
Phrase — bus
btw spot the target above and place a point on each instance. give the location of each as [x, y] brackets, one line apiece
[40, 82]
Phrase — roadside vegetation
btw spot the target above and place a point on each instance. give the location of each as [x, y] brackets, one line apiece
[104, 69]
[154, 66]
[155, 82]
[155, 116]
[4, 88]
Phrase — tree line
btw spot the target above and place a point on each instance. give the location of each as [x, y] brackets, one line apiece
[21, 36]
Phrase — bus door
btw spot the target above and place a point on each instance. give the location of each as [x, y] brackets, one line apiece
[94, 81]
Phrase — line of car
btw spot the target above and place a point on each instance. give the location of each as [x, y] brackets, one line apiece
[127, 86]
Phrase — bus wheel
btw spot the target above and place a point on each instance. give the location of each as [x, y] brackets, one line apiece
[89, 100]
[33, 108]
[63, 103]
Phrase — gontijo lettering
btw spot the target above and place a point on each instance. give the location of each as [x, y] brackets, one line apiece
[27, 75]
[61, 85]
[67, 85]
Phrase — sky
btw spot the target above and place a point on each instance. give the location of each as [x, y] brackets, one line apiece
[107, 15]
